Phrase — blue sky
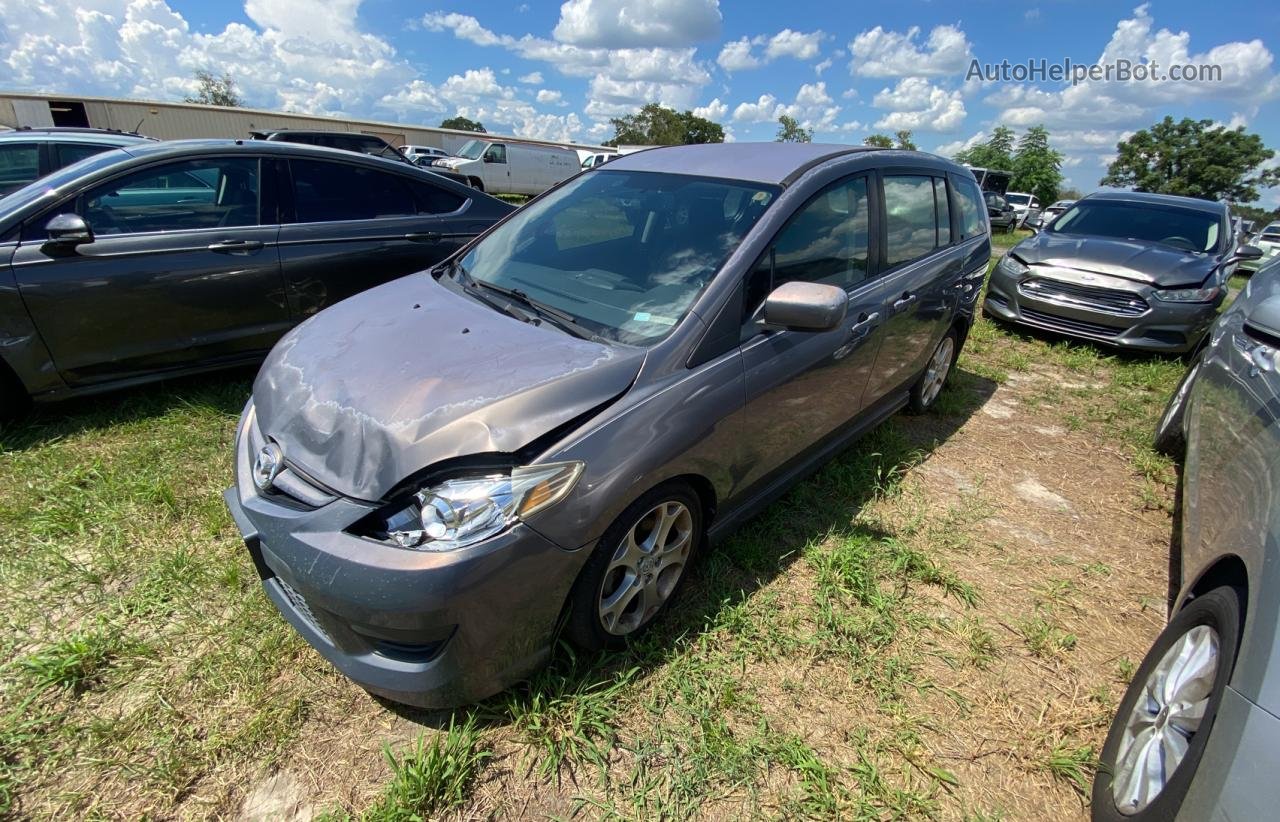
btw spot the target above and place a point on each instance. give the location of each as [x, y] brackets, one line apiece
[560, 71]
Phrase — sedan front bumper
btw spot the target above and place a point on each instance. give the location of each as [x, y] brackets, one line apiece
[431, 629]
[1120, 313]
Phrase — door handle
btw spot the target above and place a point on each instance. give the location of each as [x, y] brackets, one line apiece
[235, 246]
[905, 300]
[424, 236]
[864, 324]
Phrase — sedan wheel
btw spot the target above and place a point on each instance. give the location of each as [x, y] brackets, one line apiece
[1166, 717]
[646, 567]
[637, 568]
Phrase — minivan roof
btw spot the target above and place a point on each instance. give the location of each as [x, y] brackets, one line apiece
[772, 163]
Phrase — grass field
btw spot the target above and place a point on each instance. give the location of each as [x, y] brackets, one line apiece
[936, 625]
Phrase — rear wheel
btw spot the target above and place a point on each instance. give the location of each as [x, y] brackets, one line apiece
[637, 569]
[14, 400]
[1160, 732]
[926, 390]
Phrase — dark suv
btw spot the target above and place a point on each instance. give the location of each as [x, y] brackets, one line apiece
[361, 143]
[170, 257]
[554, 421]
[27, 154]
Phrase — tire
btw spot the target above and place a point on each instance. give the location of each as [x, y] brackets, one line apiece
[477, 184]
[614, 569]
[14, 400]
[926, 390]
[1170, 438]
[1215, 615]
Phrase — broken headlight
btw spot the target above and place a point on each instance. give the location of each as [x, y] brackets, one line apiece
[459, 512]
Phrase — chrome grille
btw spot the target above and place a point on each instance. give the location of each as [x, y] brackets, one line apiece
[1110, 300]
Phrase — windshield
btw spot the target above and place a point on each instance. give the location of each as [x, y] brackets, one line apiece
[1018, 199]
[1182, 228]
[473, 149]
[35, 190]
[625, 253]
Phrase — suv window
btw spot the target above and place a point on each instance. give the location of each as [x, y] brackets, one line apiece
[67, 153]
[969, 205]
[911, 218]
[826, 241]
[176, 197]
[19, 164]
[326, 191]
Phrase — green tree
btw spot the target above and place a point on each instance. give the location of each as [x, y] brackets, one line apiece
[996, 153]
[905, 143]
[1037, 168]
[462, 124]
[1193, 158]
[215, 91]
[878, 140]
[657, 125]
[789, 131]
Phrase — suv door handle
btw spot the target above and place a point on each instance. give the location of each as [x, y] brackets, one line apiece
[235, 246]
[864, 324]
[424, 237]
[905, 300]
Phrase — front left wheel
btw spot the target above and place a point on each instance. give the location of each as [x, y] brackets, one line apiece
[637, 568]
[1163, 724]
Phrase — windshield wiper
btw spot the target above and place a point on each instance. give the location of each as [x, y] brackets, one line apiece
[472, 286]
[562, 319]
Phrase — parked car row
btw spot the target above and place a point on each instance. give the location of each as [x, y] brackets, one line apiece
[161, 258]
[616, 374]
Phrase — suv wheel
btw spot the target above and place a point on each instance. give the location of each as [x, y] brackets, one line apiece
[637, 569]
[1163, 725]
[926, 390]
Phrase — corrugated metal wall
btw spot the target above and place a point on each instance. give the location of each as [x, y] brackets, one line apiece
[180, 121]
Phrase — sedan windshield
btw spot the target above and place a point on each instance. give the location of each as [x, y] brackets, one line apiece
[623, 253]
[1182, 228]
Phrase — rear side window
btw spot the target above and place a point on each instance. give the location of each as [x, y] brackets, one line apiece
[68, 153]
[911, 218]
[435, 200]
[331, 192]
[970, 207]
[19, 164]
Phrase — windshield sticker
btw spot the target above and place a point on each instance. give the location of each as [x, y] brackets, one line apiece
[646, 317]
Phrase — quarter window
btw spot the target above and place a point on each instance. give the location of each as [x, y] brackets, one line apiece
[332, 192]
[69, 153]
[911, 218]
[943, 209]
[435, 200]
[969, 204]
[213, 193]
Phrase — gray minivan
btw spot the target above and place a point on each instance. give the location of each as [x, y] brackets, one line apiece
[553, 423]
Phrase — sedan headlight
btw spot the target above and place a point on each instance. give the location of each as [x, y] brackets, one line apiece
[1011, 266]
[459, 512]
[1187, 295]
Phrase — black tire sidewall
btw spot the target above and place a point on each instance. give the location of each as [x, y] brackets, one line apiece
[915, 402]
[1220, 609]
[583, 626]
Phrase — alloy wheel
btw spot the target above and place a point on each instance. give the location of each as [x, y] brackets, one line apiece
[1158, 731]
[645, 568]
[939, 367]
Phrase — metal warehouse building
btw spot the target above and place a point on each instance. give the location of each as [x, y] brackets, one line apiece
[179, 121]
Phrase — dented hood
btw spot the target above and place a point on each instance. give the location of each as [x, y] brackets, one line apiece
[400, 377]
[1159, 265]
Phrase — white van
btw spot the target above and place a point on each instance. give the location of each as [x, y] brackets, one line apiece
[512, 168]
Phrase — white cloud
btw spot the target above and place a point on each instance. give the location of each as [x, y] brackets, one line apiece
[548, 96]
[881, 53]
[714, 111]
[813, 108]
[916, 104]
[762, 110]
[737, 56]
[797, 44]
[533, 78]
[818, 68]
[630, 24]
[956, 146]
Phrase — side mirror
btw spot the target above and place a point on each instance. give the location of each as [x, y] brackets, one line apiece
[71, 230]
[800, 306]
[1245, 252]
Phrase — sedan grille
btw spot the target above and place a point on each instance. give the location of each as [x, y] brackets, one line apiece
[1069, 325]
[1108, 300]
